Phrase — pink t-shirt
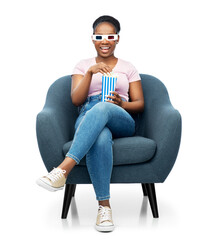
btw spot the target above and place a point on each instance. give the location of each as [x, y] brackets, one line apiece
[125, 71]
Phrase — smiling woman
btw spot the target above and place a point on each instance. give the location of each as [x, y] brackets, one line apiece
[99, 122]
[105, 38]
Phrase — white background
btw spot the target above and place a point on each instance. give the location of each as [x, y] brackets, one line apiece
[40, 42]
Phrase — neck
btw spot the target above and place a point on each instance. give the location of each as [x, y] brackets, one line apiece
[105, 59]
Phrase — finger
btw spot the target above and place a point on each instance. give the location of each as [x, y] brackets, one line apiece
[109, 69]
[112, 102]
[109, 96]
[111, 93]
[109, 101]
[115, 93]
[106, 70]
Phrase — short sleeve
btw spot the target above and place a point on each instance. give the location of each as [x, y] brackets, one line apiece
[79, 68]
[133, 74]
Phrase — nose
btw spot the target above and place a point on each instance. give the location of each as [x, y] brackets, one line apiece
[104, 40]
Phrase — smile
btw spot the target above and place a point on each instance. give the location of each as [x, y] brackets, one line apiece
[104, 48]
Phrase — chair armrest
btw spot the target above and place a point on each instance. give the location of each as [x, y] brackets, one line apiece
[52, 133]
[163, 124]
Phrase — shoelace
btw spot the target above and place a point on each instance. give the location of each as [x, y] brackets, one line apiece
[56, 174]
[105, 213]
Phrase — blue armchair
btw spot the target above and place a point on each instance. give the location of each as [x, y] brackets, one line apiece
[145, 158]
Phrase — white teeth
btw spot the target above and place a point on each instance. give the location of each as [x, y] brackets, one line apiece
[104, 47]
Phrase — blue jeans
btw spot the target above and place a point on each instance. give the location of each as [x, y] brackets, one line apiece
[96, 126]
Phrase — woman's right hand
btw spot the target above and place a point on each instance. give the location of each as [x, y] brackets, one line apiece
[100, 67]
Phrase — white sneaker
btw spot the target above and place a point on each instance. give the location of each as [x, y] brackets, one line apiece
[53, 181]
[104, 222]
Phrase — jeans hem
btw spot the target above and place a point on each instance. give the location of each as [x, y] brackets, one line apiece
[73, 157]
[103, 198]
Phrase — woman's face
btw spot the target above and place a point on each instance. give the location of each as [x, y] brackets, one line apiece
[105, 48]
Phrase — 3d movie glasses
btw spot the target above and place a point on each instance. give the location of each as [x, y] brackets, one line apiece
[111, 37]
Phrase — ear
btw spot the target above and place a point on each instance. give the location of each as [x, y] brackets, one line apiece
[118, 39]
[92, 40]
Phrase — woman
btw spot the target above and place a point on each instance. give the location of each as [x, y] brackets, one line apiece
[99, 122]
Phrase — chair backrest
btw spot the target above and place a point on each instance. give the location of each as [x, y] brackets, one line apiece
[155, 95]
[59, 99]
[59, 95]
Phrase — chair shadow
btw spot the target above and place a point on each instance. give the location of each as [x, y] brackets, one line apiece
[143, 211]
[73, 219]
[143, 216]
[74, 216]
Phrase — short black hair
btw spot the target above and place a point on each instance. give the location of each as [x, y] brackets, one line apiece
[109, 19]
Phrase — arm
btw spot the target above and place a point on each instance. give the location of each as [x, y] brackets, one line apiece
[50, 137]
[81, 83]
[136, 95]
[80, 87]
[137, 98]
[163, 125]
[55, 123]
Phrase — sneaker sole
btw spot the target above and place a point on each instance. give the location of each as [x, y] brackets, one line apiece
[104, 228]
[48, 187]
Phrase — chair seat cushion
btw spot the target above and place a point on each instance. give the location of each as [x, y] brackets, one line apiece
[127, 150]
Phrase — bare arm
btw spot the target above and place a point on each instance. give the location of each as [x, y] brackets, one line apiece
[81, 83]
[136, 95]
[80, 87]
[137, 98]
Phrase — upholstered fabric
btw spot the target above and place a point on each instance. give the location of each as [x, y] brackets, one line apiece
[128, 150]
[155, 153]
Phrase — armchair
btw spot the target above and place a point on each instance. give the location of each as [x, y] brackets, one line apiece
[146, 158]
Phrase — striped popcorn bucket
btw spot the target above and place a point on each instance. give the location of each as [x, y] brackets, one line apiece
[108, 84]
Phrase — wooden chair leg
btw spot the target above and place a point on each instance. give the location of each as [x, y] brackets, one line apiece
[144, 188]
[152, 199]
[74, 187]
[69, 192]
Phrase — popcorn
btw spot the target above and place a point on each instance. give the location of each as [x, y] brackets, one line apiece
[108, 84]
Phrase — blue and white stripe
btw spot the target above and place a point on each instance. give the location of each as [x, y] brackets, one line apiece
[108, 84]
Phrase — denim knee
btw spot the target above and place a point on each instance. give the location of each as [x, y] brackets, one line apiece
[102, 108]
[104, 137]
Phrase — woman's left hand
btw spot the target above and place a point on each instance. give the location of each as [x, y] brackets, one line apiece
[116, 99]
